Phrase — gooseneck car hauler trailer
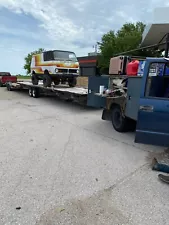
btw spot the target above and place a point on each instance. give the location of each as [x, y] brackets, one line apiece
[85, 96]
[35, 91]
[146, 102]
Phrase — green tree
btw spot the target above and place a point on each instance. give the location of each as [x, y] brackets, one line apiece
[125, 39]
[28, 59]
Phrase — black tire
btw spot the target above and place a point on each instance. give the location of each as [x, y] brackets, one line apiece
[47, 81]
[35, 80]
[1, 85]
[119, 122]
[72, 82]
[35, 92]
[8, 86]
[131, 125]
[56, 82]
[30, 92]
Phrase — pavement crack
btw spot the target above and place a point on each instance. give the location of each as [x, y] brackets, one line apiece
[122, 180]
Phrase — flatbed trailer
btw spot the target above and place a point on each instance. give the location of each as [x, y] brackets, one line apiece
[76, 94]
[84, 96]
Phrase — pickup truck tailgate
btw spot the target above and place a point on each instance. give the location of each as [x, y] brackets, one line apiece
[4, 79]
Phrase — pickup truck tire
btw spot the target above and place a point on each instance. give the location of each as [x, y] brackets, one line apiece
[132, 125]
[72, 82]
[119, 122]
[35, 80]
[47, 81]
[8, 86]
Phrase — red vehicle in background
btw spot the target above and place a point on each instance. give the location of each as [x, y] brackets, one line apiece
[6, 77]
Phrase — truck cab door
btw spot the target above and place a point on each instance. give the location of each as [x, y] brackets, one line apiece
[153, 114]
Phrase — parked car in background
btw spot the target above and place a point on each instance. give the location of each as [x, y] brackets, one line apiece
[6, 77]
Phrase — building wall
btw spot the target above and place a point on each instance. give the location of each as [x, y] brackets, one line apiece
[88, 65]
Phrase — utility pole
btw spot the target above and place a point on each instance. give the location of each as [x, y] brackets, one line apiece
[95, 47]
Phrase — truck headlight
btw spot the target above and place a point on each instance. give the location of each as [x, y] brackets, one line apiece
[56, 70]
[77, 71]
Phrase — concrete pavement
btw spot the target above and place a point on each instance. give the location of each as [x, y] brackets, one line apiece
[61, 164]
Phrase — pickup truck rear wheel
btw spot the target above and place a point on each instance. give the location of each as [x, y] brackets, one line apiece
[119, 122]
[8, 86]
[72, 82]
[35, 80]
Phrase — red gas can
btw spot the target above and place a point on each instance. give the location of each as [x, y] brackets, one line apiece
[132, 68]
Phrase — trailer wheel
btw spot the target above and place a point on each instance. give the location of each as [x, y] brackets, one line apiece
[47, 81]
[72, 82]
[35, 92]
[30, 92]
[35, 80]
[119, 122]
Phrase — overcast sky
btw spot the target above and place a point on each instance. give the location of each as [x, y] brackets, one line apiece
[75, 25]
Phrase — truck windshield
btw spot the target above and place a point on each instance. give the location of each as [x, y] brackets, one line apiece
[65, 56]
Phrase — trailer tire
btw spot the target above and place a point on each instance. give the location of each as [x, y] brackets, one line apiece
[35, 80]
[119, 122]
[47, 81]
[72, 82]
[30, 92]
[1, 84]
[35, 92]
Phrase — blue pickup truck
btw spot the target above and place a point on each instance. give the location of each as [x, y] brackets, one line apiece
[144, 106]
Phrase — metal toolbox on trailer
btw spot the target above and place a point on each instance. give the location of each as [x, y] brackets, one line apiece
[118, 65]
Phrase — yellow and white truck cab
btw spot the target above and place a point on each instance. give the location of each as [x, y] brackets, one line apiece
[55, 66]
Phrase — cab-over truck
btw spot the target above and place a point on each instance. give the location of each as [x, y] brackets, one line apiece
[145, 104]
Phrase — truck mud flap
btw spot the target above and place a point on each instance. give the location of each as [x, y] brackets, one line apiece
[106, 115]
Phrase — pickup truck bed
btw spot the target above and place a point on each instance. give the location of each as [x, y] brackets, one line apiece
[123, 110]
[6, 77]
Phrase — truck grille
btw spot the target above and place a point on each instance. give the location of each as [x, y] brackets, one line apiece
[73, 71]
[63, 70]
[67, 70]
